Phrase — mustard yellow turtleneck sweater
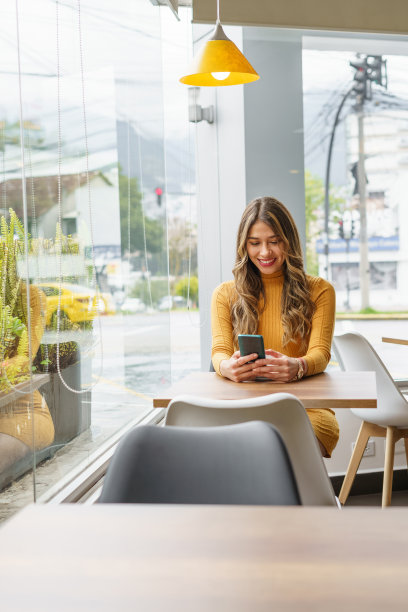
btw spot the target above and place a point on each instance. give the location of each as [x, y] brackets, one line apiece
[317, 355]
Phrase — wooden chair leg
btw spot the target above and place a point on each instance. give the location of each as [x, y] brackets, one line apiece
[388, 466]
[406, 449]
[361, 443]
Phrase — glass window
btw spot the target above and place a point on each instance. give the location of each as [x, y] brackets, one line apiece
[365, 151]
[98, 205]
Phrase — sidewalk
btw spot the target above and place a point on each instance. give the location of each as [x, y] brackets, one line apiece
[374, 316]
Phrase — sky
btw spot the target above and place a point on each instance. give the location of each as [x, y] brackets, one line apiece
[123, 63]
[327, 75]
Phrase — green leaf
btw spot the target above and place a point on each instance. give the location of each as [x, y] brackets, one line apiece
[17, 327]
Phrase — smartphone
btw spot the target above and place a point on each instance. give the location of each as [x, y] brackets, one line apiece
[251, 343]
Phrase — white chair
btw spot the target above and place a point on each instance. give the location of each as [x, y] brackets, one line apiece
[389, 420]
[282, 410]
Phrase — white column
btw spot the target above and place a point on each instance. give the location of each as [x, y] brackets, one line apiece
[274, 120]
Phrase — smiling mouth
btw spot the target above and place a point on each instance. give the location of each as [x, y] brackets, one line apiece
[267, 262]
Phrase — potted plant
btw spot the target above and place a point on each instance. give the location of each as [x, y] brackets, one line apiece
[13, 350]
[66, 406]
[14, 343]
[50, 257]
[58, 357]
[21, 328]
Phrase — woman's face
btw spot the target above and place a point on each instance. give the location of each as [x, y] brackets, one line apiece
[264, 248]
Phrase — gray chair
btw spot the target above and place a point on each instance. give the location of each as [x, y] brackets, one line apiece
[389, 420]
[239, 464]
[282, 410]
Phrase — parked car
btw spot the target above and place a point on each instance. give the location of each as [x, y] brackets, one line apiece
[133, 305]
[172, 301]
[107, 304]
[78, 303]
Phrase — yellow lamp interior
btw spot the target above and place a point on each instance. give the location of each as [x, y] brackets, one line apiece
[219, 56]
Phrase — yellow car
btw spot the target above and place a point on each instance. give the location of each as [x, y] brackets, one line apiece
[78, 303]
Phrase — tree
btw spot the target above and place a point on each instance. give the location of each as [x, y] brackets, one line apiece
[182, 247]
[314, 209]
[131, 220]
[188, 288]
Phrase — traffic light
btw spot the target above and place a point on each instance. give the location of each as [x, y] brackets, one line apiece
[352, 229]
[159, 192]
[341, 229]
[368, 69]
[377, 70]
[354, 172]
[360, 76]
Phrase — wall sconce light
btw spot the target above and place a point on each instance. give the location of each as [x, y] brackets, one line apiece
[197, 113]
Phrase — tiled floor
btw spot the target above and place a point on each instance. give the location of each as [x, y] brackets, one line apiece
[399, 498]
[21, 492]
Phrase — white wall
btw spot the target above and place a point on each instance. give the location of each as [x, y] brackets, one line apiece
[349, 427]
[105, 208]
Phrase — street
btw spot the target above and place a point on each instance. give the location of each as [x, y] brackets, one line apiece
[144, 351]
[140, 353]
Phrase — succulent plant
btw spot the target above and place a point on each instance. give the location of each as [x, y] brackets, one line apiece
[13, 320]
[14, 340]
[46, 358]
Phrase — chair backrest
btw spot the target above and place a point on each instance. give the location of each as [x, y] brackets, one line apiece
[282, 410]
[238, 464]
[355, 353]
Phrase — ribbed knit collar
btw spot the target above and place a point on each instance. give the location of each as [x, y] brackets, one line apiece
[275, 277]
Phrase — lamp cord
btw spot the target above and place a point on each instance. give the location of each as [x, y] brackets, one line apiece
[24, 201]
[59, 247]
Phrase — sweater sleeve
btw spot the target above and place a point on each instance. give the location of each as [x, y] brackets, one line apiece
[222, 342]
[318, 353]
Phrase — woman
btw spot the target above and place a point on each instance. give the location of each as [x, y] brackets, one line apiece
[271, 295]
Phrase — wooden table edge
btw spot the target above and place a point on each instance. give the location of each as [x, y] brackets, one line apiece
[309, 404]
[161, 403]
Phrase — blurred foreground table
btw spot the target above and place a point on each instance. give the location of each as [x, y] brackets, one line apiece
[332, 389]
[203, 558]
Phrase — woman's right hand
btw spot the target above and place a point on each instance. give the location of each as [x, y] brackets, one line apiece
[238, 368]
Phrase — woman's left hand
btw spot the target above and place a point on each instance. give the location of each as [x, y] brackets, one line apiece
[276, 366]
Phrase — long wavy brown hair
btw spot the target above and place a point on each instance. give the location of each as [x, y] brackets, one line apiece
[297, 306]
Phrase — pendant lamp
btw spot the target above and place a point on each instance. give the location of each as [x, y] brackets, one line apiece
[219, 62]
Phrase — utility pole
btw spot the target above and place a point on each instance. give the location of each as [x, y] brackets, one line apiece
[369, 69]
[346, 232]
[361, 177]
